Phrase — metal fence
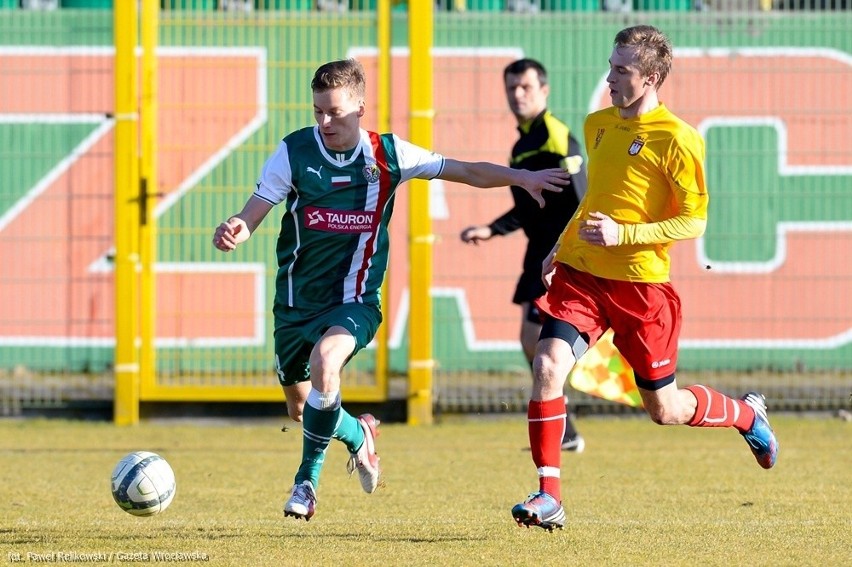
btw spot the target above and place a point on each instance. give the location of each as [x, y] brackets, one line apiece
[767, 89]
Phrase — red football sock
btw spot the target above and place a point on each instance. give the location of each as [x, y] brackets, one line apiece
[546, 427]
[718, 410]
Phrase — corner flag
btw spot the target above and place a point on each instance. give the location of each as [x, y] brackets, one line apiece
[602, 372]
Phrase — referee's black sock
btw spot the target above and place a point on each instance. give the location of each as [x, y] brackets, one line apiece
[570, 429]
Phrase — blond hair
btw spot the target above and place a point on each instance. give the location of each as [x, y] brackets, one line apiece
[652, 47]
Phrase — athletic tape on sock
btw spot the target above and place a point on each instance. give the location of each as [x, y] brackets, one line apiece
[324, 401]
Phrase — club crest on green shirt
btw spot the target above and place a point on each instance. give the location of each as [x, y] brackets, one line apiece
[371, 173]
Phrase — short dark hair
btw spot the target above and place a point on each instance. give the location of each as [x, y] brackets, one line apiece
[345, 73]
[653, 47]
[521, 66]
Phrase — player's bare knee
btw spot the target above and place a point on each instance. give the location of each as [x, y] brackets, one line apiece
[542, 366]
[662, 415]
[667, 412]
[295, 396]
[547, 371]
[295, 411]
[324, 373]
[559, 346]
[660, 398]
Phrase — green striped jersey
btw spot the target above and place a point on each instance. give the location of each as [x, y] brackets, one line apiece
[333, 245]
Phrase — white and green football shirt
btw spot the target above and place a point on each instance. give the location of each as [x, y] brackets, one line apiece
[333, 245]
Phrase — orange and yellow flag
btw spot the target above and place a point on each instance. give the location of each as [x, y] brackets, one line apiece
[602, 372]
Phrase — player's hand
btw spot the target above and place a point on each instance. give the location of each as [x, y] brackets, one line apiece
[554, 179]
[599, 230]
[473, 234]
[548, 268]
[230, 233]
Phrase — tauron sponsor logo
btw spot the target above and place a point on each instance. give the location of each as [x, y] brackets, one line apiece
[314, 217]
[332, 220]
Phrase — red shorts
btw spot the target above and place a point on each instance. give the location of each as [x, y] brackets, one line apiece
[645, 317]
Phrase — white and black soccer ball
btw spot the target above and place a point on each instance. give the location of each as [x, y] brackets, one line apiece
[143, 484]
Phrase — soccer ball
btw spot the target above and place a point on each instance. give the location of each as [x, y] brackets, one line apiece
[143, 484]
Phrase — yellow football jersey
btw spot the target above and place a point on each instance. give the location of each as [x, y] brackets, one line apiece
[641, 170]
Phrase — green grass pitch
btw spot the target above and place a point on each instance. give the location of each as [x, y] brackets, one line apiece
[640, 494]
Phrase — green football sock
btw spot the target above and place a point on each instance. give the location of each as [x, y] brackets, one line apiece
[349, 431]
[318, 427]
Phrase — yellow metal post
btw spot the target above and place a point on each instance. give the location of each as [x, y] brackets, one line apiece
[148, 192]
[420, 362]
[126, 402]
[383, 25]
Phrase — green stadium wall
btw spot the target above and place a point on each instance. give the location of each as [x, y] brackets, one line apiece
[770, 92]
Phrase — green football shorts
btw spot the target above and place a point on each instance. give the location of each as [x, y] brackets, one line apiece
[296, 334]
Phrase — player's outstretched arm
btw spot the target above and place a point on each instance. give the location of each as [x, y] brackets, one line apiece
[240, 227]
[602, 230]
[485, 174]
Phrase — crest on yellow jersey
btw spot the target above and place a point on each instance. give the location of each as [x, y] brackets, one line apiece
[636, 146]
